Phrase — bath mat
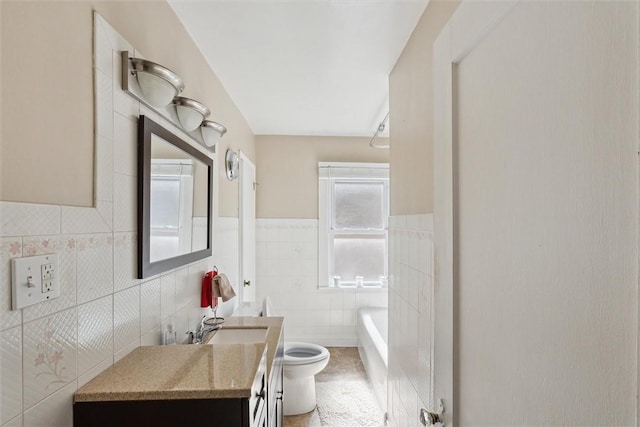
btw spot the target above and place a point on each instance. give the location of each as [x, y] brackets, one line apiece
[348, 404]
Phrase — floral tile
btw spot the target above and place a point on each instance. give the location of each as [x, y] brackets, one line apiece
[49, 355]
[11, 374]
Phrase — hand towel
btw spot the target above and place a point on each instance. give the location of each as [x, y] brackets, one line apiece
[207, 299]
[222, 286]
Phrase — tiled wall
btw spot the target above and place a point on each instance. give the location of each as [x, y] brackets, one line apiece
[50, 349]
[410, 297]
[287, 271]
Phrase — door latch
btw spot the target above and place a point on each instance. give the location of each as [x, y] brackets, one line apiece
[247, 283]
[434, 419]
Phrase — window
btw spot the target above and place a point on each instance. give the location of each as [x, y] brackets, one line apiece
[353, 202]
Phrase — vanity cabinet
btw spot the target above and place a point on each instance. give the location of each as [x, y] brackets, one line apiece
[276, 388]
[249, 410]
[235, 382]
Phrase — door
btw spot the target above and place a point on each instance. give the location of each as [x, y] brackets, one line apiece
[535, 222]
[247, 228]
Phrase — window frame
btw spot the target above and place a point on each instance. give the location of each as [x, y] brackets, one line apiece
[334, 173]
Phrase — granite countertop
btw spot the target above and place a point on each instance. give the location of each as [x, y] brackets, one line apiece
[187, 371]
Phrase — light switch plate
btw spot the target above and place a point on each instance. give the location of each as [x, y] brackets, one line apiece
[33, 280]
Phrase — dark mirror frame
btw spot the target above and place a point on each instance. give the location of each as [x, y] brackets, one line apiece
[146, 128]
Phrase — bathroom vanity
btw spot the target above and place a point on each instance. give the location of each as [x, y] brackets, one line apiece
[232, 380]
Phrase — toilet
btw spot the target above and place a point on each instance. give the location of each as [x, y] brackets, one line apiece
[302, 361]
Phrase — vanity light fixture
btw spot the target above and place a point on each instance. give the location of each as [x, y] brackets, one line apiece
[190, 112]
[159, 85]
[212, 132]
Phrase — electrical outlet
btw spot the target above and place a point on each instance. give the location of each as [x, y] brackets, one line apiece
[33, 280]
[48, 274]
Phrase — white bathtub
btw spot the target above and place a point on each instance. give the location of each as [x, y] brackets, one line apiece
[372, 346]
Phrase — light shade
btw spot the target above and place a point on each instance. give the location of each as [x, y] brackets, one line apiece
[159, 85]
[212, 132]
[190, 112]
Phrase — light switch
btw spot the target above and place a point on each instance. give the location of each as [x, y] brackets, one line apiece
[33, 280]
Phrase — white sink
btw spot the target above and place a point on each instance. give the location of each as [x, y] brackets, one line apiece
[239, 336]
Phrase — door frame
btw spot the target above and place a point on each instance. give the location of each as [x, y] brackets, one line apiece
[242, 227]
[466, 29]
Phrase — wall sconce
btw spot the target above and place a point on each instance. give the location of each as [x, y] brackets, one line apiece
[159, 85]
[212, 132]
[232, 164]
[190, 112]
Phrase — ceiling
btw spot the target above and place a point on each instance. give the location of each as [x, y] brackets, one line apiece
[304, 67]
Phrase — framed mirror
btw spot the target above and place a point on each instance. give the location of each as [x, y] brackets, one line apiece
[174, 200]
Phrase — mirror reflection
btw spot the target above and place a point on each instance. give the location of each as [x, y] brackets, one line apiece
[178, 202]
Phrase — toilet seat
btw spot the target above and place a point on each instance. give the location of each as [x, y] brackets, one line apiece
[302, 353]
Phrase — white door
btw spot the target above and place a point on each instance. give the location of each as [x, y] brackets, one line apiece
[247, 228]
[535, 223]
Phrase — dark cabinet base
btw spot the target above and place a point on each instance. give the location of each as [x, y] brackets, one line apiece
[162, 413]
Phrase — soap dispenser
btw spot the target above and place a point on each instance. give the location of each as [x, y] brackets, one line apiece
[170, 335]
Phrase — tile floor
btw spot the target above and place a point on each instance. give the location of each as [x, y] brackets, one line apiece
[344, 366]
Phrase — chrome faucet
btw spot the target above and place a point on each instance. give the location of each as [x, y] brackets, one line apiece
[202, 330]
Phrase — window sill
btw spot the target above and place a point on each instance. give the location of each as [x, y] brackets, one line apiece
[353, 288]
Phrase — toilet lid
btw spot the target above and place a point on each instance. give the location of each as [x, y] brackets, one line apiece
[300, 353]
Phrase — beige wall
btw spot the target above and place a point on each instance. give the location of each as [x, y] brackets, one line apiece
[411, 118]
[287, 170]
[47, 94]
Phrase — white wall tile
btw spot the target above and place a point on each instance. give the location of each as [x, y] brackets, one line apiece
[49, 355]
[104, 169]
[124, 203]
[95, 266]
[102, 49]
[125, 260]
[83, 220]
[10, 247]
[105, 209]
[184, 292]
[56, 410]
[95, 333]
[152, 337]
[124, 104]
[104, 98]
[167, 295]
[125, 146]
[409, 299]
[24, 219]
[11, 374]
[126, 318]
[16, 422]
[150, 305]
